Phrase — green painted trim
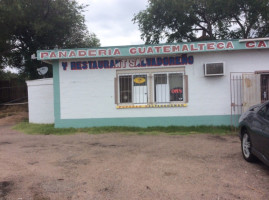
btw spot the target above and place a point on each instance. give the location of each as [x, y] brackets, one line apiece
[214, 120]
[56, 90]
[150, 50]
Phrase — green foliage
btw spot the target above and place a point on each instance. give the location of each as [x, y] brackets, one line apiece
[8, 75]
[191, 20]
[28, 25]
[251, 18]
[48, 129]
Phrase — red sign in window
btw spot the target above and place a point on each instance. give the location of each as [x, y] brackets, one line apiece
[176, 91]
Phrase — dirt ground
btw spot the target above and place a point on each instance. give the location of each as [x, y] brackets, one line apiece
[116, 166]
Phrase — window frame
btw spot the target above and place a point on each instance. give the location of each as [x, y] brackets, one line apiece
[150, 84]
[119, 92]
[168, 82]
[132, 76]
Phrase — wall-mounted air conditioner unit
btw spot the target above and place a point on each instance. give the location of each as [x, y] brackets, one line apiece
[214, 69]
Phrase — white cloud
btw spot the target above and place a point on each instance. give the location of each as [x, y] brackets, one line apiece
[111, 20]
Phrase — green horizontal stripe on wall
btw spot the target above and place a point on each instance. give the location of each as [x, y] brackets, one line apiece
[214, 120]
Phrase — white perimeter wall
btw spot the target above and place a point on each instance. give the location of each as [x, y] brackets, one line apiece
[40, 101]
[90, 93]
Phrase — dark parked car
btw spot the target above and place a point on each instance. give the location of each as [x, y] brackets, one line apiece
[254, 133]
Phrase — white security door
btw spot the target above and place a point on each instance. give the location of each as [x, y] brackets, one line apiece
[140, 89]
[162, 93]
[161, 87]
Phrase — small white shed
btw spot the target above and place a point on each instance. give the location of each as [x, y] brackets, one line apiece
[40, 101]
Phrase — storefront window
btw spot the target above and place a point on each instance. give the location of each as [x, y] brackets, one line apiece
[176, 86]
[140, 89]
[133, 89]
[151, 87]
[168, 90]
[161, 88]
[125, 89]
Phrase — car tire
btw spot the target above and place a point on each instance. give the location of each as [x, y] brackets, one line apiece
[246, 146]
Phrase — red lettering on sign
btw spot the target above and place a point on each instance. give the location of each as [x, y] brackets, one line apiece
[185, 48]
[92, 52]
[150, 50]
[262, 44]
[62, 54]
[142, 50]
[158, 49]
[220, 45]
[193, 48]
[166, 49]
[72, 54]
[82, 53]
[250, 44]
[229, 45]
[210, 46]
[201, 46]
[132, 51]
[175, 48]
[44, 54]
[102, 52]
[109, 52]
[52, 55]
[116, 52]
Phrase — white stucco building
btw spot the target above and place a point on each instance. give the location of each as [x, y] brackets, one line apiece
[183, 84]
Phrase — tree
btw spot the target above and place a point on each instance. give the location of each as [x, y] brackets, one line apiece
[6, 75]
[250, 18]
[191, 20]
[29, 25]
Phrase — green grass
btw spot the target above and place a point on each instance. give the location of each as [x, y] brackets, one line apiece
[47, 129]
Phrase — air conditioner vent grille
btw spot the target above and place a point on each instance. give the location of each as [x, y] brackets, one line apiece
[214, 69]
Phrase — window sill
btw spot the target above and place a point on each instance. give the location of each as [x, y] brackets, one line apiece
[152, 106]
